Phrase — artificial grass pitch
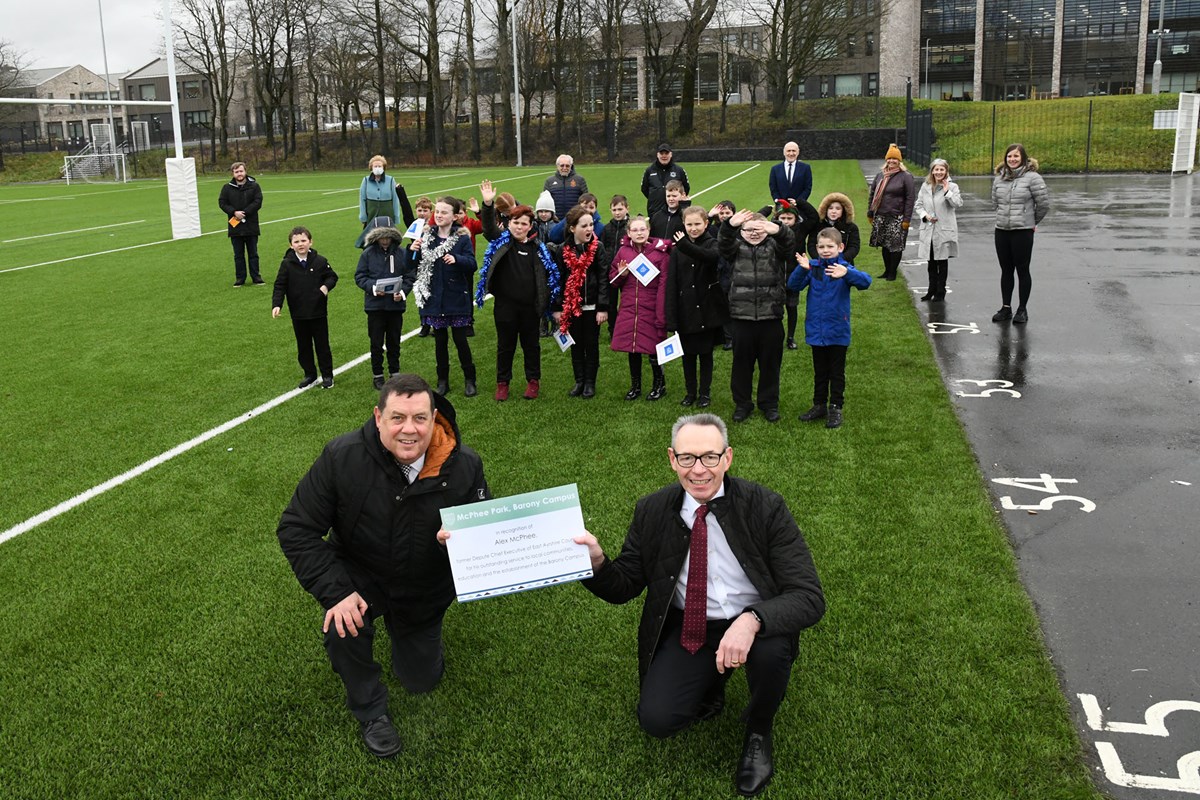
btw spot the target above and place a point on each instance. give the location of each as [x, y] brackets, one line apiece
[154, 642]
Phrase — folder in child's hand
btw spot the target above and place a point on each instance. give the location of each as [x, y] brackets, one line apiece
[234, 222]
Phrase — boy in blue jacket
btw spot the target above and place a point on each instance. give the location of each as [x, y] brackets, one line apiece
[304, 282]
[828, 279]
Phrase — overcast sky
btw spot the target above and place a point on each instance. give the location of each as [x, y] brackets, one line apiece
[62, 33]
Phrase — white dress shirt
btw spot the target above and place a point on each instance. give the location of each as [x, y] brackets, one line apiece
[729, 589]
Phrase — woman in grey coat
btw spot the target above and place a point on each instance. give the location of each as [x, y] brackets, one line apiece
[938, 238]
[1021, 201]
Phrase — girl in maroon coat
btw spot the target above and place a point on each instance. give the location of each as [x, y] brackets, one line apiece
[641, 317]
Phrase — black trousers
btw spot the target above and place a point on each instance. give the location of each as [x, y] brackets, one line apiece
[829, 375]
[515, 322]
[756, 343]
[313, 335]
[441, 351]
[939, 271]
[585, 353]
[635, 369]
[245, 247]
[418, 660]
[678, 681]
[698, 348]
[385, 326]
[1014, 251]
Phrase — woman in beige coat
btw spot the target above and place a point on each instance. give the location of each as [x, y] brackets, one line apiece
[937, 201]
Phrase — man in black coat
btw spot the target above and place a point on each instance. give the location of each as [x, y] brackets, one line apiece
[380, 490]
[729, 583]
[662, 170]
[565, 185]
[241, 199]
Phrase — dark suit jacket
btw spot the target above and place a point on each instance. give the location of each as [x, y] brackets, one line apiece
[800, 186]
[762, 534]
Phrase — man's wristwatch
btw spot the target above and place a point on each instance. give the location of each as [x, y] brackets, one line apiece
[758, 617]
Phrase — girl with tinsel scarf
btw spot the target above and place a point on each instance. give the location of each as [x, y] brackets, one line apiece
[583, 266]
[445, 262]
[523, 280]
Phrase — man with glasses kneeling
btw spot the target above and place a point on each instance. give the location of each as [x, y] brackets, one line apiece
[730, 583]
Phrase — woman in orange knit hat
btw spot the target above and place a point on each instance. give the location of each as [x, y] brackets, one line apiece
[892, 198]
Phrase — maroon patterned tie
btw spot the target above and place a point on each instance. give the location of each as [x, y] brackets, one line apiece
[695, 598]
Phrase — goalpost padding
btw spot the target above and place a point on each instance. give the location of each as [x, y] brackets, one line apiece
[1184, 159]
[183, 198]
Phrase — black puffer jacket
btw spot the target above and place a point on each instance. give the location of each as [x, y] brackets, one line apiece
[762, 534]
[757, 273]
[492, 231]
[695, 300]
[247, 197]
[380, 525]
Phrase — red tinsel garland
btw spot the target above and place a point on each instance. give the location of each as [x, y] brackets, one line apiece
[578, 265]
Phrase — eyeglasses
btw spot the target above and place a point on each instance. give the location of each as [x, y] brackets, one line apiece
[688, 460]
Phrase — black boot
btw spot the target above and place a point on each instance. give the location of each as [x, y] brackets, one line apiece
[635, 389]
[659, 389]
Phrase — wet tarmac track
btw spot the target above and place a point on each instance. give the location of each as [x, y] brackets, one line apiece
[1086, 424]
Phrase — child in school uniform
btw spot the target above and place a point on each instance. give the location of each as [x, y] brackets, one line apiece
[828, 279]
[304, 281]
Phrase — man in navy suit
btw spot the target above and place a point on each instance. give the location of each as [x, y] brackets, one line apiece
[791, 180]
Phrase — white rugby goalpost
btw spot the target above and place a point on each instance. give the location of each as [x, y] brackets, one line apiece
[1184, 157]
[182, 194]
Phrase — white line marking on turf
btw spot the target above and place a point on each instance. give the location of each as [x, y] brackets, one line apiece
[79, 230]
[38, 199]
[727, 180]
[163, 458]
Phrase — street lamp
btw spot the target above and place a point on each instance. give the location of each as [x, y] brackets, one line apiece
[512, 18]
[1156, 80]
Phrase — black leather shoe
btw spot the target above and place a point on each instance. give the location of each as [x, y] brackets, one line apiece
[791, 344]
[741, 414]
[469, 388]
[425, 331]
[756, 768]
[576, 390]
[703, 401]
[308, 381]
[1005, 313]
[772, 414]
[816, 412]
[688, 399]
[927, 296]
[658, 392]
[589, 391]
[1021, 317]
[378, 382]
[380, 737]
[634, 392]
[834, 418]
[443, 388]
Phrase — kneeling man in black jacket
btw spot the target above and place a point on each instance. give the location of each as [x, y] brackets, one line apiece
[729, 583]
[378, 493]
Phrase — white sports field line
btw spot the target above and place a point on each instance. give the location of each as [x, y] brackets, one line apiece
[77, 230]
[146, 466]
[212, 233]
[162, 458]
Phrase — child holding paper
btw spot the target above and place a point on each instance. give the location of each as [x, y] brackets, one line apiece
[304, 281]
[641, 317]
[696, 306]
[583, 275]
[383, 258]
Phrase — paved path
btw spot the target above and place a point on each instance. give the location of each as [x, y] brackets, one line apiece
[1095, 466]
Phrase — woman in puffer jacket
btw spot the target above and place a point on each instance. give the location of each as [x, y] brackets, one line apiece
[1021, 201]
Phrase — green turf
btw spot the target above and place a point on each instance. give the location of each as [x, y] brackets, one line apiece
[154, 642]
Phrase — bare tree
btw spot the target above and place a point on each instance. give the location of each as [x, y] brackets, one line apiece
[662, 46]
[472, 76]
[612, 51]
[699, 13]
[801, 37]
[269, 34]
[314, 28]
[348, 65]
[12, 62]
[207, 31]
